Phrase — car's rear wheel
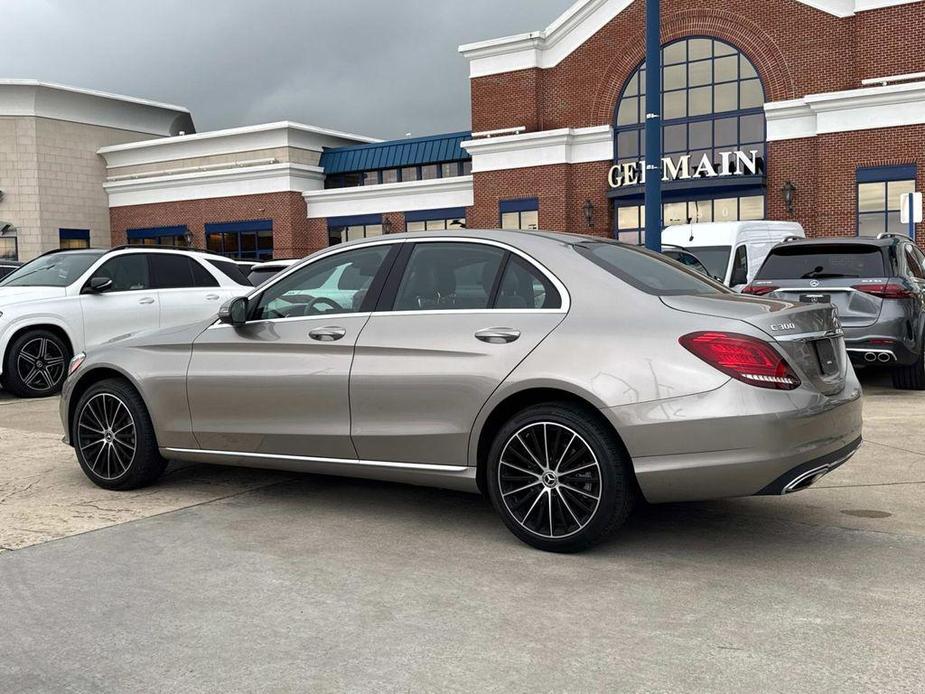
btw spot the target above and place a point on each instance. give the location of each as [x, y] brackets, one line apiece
[114, 438]
[911, 377]
[559, 478]
[35, 364]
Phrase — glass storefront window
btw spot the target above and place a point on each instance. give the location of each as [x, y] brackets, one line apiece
[630, 220]
[341, 234]
[9, 248]
[879, 203]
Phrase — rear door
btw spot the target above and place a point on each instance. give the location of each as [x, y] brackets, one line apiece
[829, 273]
[130, 305]
[187, 291]
[456, 318]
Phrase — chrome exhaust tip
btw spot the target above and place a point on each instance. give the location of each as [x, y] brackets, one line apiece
[885, 357]
[870, 357]
[807, 479]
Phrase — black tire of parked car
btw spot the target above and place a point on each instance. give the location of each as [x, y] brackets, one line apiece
[35, 364]
[584, 459]
[911, 377]
[113, 437]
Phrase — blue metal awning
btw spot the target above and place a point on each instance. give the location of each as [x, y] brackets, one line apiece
[249, 225]
[395, 153]
[74, 234]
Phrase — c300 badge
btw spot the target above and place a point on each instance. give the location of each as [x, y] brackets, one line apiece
[784, 326]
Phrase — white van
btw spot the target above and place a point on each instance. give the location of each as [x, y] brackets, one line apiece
[732, 251]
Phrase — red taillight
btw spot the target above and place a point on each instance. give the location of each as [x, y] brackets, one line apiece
[745, 358]
[759, 290]
[885, 290]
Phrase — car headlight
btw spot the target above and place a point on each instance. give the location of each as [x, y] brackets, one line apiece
[76, 361]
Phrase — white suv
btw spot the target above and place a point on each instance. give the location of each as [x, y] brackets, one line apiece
[65, 301]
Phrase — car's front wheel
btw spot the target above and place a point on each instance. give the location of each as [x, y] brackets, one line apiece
[114, 438]
[559, 478]
[35, 364]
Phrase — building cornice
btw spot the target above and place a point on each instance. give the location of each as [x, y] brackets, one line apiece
[432, 194]
[229, 141]
[869, 108]
[32, 98]
[547, 147]
[549, 47]
[228, 182]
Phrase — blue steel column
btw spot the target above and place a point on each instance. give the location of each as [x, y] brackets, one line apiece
[653, 126]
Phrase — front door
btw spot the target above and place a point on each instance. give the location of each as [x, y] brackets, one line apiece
[278, 385]
[130, 305]
[462, 317]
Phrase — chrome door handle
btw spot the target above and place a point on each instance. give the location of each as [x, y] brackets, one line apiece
[146, 300]
[497, 336]
[212, 297]
[327, 334]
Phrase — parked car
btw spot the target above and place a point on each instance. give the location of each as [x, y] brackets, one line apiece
[731, 251]
[64, 301]
[559, 374]
[245, 266]
[7, 267]
[687, 259]
[261, 272]
[878, 287]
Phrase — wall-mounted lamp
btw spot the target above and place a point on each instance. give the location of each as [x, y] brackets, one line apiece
[789, 191]
[588, 209]
[188, 238]
[386, 225]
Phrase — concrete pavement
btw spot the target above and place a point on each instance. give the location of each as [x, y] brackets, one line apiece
[282, 583]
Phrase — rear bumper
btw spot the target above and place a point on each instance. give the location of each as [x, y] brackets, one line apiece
[737, 440]
[884, 351]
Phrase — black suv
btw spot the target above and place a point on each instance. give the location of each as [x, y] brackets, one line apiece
[878, 286]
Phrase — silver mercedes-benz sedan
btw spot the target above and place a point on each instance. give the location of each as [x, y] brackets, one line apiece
[564, 376]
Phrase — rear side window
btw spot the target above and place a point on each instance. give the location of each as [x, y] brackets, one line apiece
[523, 287]
[179, 271]
[231, 271]
[823, 261]
[647, 271]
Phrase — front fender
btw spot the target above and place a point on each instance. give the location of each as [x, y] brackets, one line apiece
[8, 329]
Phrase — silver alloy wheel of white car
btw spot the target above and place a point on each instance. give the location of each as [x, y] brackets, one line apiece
[550, 480]
[40, 364]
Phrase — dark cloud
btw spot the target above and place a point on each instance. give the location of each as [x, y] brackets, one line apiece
[379, 67]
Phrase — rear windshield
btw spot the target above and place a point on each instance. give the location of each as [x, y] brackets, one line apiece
[647, 271]
[827, 261]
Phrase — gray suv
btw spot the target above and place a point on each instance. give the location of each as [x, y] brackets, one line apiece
[877, 285]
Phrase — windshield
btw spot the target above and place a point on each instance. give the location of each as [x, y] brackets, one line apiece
[647, 271]
[825, 261]
[52, 270]
[714, 258]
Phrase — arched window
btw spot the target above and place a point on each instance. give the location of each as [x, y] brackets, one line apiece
[712, 103]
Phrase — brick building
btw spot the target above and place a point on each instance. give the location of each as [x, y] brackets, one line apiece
[823, 99]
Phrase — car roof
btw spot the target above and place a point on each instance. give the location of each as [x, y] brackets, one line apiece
[270, 264]
[844, 241]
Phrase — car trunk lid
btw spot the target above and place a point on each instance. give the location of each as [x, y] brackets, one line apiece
[809, 334]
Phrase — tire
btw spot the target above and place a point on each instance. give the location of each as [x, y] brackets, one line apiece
[587, 482]
[114, 438]
[35, 364]
[911, 377]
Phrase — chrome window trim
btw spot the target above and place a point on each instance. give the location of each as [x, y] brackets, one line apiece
[312, 459]
[295, 319]
[564, 295]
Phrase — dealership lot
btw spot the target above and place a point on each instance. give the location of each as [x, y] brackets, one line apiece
[242, 579]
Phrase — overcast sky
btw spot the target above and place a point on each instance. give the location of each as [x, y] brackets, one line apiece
[376, 67]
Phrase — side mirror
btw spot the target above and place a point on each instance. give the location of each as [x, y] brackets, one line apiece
[234, 312]
[98, 285]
